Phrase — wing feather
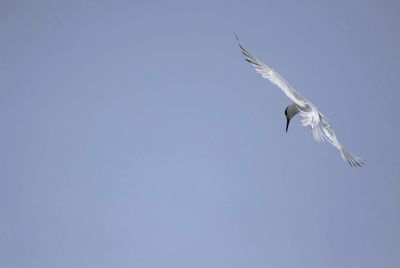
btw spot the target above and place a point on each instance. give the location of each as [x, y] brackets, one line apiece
[273, 76]
[330, 136]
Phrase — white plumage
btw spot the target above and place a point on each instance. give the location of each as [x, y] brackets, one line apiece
[311, 117]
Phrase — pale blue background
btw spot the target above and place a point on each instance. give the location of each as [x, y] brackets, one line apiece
[133, 134]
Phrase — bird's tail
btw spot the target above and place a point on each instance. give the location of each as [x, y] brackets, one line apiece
[317, 133]
[353, 160]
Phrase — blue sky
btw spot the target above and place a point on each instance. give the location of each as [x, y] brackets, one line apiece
[134, 134]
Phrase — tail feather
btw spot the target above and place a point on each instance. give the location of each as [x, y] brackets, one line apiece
[317, 133]
[353, 160]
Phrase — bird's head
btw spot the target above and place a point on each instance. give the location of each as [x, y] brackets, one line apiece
[288, 117]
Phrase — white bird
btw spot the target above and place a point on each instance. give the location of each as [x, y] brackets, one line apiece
[311, 117]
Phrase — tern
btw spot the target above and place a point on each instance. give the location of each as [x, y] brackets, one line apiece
[311, 117]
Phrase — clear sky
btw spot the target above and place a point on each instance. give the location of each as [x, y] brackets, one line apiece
[134, 134]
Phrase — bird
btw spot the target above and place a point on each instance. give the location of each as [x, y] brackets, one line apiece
[311, 116]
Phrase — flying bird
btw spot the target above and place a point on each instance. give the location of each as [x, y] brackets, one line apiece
[311, 117]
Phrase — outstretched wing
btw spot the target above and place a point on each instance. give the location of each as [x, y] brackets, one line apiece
[311, 117]
[274, 77]
[330, 136]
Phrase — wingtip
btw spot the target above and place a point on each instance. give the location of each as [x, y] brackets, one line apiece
[352, 160]
[236, 36]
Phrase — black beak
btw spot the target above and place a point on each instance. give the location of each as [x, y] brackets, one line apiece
[287, 123]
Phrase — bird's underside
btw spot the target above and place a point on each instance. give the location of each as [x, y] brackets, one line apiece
[311, 117]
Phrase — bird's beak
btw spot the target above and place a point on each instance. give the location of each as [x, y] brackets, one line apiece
[287, 123]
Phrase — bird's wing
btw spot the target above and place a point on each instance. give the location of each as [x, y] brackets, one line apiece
[274, 77]
[330, 136]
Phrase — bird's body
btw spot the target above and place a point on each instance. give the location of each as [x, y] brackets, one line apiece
[311, 117]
